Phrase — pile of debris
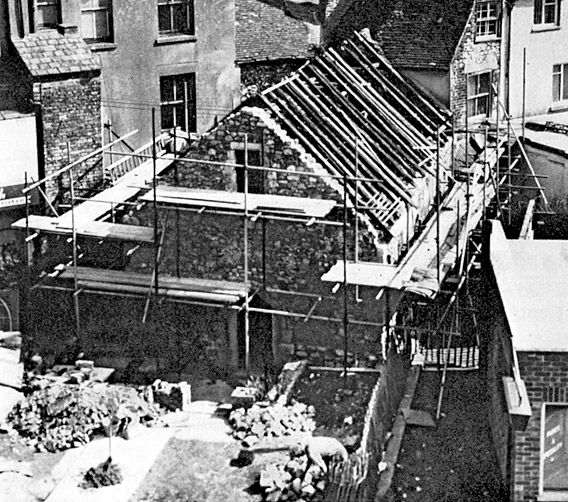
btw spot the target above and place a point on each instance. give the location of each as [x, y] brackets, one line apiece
[295, 480]
[63, 416]
[105, 474]
[271, 420]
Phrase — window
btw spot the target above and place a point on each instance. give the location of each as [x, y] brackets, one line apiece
[478, 94]
[554, 448]
[46, 13]
[547, 12]
[96, 18]
[255, 176]
[559, 82]
[487, 19]
[175, 16]
[177, 102]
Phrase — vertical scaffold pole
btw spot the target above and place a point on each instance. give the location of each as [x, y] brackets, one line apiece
[246, 264]
[345, 311]
[155, 204]
[438, 243]
[356, 211]
[74, 251]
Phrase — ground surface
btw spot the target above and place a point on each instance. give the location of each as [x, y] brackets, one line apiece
[454, 461]
[336, 399]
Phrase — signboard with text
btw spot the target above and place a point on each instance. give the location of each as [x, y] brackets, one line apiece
[18, 157]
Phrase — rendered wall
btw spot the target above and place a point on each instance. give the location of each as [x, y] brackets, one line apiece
[544, 48]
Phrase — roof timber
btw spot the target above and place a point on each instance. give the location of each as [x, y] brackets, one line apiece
[358, 122]
[349, 110]
[346, 143]
[397, 120]
[392, 72]
[374, 114]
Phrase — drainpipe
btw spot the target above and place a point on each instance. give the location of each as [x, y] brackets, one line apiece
[38, 112]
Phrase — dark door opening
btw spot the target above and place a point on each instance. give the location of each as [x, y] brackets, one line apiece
[260, 339]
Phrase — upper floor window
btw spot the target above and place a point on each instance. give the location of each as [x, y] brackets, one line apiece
[547, 12]
[176, 16]
[478, 94]
[177, 102]
[560, 82]
[255, 177]
[487, 19]
[96, 20]
[554, 450]
[46, 13]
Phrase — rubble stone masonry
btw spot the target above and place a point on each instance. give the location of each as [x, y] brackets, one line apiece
[471, 56]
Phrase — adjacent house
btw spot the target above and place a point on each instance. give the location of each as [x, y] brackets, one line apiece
[177, 57]
[451, 50]
[526, 346]
[536, 63]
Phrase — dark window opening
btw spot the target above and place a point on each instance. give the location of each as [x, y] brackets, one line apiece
[176, 16]
[255, 176]
[96, 20]
[177, 102]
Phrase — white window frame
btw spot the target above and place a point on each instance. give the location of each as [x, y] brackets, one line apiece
[562, 74]
[182, 95]
[189, 7]
[479, 95]
[542, 8]
[107, 37]
[46, 4]
[548, 495]
[484, 19]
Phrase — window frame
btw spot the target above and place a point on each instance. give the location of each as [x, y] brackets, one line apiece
[479, 95]
[486, 20]
[549, 494]
[109, 22]
[256, 177]
[47, 3]
[189, 8]
[187, 99]
[540, 12]
[562, 83]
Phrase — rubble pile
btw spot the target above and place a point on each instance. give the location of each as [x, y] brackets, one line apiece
[105, 474]
[172, 396]
[296, 480]
[64, 416]
[259, 422]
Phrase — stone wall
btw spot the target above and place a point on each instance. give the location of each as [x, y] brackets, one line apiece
[71, 113]
[471, 57]
[255, 77]
[546, 379]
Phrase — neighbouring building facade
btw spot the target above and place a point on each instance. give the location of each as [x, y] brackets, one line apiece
[536, 62]
[527, 363]
[175, 56]
[451, 50]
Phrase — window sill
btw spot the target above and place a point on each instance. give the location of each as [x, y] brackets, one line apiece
[544, 28]
[102, 46]
[560, 106]
[175, 39]
[553, 496]
[487, 38]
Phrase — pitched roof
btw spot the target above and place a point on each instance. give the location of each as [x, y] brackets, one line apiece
[264, 32]
[352, 100]
[47, 53]
[424, 34]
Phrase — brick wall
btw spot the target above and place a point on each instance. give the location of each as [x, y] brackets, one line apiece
[473, 55]
[71, 112]
[546, 378]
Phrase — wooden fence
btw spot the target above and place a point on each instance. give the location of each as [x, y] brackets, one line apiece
[357, 480]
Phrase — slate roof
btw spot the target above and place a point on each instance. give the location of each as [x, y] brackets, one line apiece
[423, 33]
[264, 32]
[47, 53]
